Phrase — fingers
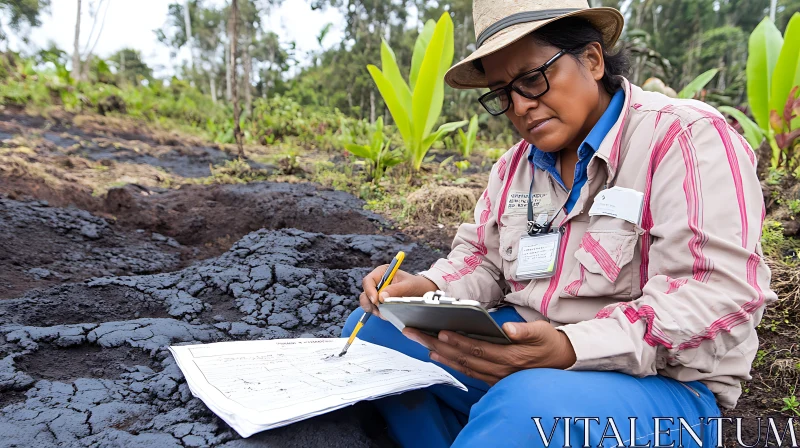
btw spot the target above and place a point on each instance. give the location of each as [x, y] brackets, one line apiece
[489, 379]
[368, 306]
[530, 332]
[370, 283]
[464, 354]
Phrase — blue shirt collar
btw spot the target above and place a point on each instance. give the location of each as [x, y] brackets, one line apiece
[547, 160]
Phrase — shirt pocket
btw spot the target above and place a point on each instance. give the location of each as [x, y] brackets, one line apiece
[604, 265]
[509, 247]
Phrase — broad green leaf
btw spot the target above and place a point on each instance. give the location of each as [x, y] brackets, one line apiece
[443, 129]
[463, 142]
[697, 84]
[359, 151]
[428, 94]
[752, 133]
[787, 69]
[392, 72]
[764, 48]
[420, 45]
[401, 119]
[424, 104]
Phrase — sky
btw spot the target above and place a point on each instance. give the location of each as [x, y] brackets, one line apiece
[130, 23]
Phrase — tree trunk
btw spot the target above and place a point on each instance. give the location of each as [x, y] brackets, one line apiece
[187, 19]
[248, 70]
[237, 131]
[76, 54]
[228, 90]
[213, 87]
[773, 6]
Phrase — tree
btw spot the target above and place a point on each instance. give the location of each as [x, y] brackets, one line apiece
[20, 12]
[130, 67]
[76, 52]
[188, 23]
[202, 33]
[80, 71]
[233, 21]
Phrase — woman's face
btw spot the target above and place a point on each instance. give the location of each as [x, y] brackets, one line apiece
[562, 117]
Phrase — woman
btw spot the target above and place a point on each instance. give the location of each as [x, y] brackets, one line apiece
[657, 282]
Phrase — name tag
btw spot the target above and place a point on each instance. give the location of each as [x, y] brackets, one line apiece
[538, 255]
[517, 202]
[619, 202]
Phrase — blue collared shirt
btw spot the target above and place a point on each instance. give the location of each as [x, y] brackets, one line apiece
[547, 160]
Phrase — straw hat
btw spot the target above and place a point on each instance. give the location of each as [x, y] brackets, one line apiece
[499, 23]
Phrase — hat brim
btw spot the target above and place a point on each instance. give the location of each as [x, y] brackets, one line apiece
[464, 75]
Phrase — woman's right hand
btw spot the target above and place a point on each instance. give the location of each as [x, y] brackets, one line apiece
[403, 285]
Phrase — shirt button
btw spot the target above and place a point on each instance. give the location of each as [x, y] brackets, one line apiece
[509, 250]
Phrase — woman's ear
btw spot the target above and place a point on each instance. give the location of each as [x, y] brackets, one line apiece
[593, 60]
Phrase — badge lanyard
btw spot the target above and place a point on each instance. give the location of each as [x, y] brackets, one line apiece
[538, 251]
[540, 226]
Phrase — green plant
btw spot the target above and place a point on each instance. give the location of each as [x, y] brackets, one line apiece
[416, 106]
[468, 140]
[773, 71]
[786, 128]
[289, 162]
[752, 133]
[235, 171]
[760, 357]
[794, 207]
[791, 404]
[697, 84]
[772, 238]
[494, 154]
[462, 165]
[691, 90]
[377, 153]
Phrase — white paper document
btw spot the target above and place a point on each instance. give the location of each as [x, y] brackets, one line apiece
[259, 385]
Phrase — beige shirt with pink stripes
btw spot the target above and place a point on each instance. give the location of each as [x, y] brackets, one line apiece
[680, 294]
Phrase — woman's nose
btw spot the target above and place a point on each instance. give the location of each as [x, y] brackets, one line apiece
[521, 105]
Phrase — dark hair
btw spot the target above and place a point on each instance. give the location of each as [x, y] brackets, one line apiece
[574, 34]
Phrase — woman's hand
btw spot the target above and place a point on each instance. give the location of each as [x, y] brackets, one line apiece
[403, 285]
[535, 345]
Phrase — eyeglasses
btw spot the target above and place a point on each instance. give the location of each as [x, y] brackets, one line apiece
[531, 84]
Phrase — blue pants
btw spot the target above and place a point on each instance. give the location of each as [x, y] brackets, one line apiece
[507, 413]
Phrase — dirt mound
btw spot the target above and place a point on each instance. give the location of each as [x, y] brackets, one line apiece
[213, 217]
[71, 363]
[44, 245]
[158, 230]
[78, 303]
[437, 202]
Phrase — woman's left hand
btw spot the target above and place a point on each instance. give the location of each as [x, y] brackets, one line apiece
[535, 345]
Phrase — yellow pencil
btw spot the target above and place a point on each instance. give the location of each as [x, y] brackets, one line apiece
[385, 281]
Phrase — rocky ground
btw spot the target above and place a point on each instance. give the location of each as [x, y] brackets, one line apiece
[95, 288]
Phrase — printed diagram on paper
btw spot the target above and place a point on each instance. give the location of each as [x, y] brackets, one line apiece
[303, 375]
[289, 377]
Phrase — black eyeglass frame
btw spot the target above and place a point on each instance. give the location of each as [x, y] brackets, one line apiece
[509, 87]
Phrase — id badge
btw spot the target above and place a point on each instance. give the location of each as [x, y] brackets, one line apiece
[538, 255]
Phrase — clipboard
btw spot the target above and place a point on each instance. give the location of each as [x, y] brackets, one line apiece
[435, 311]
